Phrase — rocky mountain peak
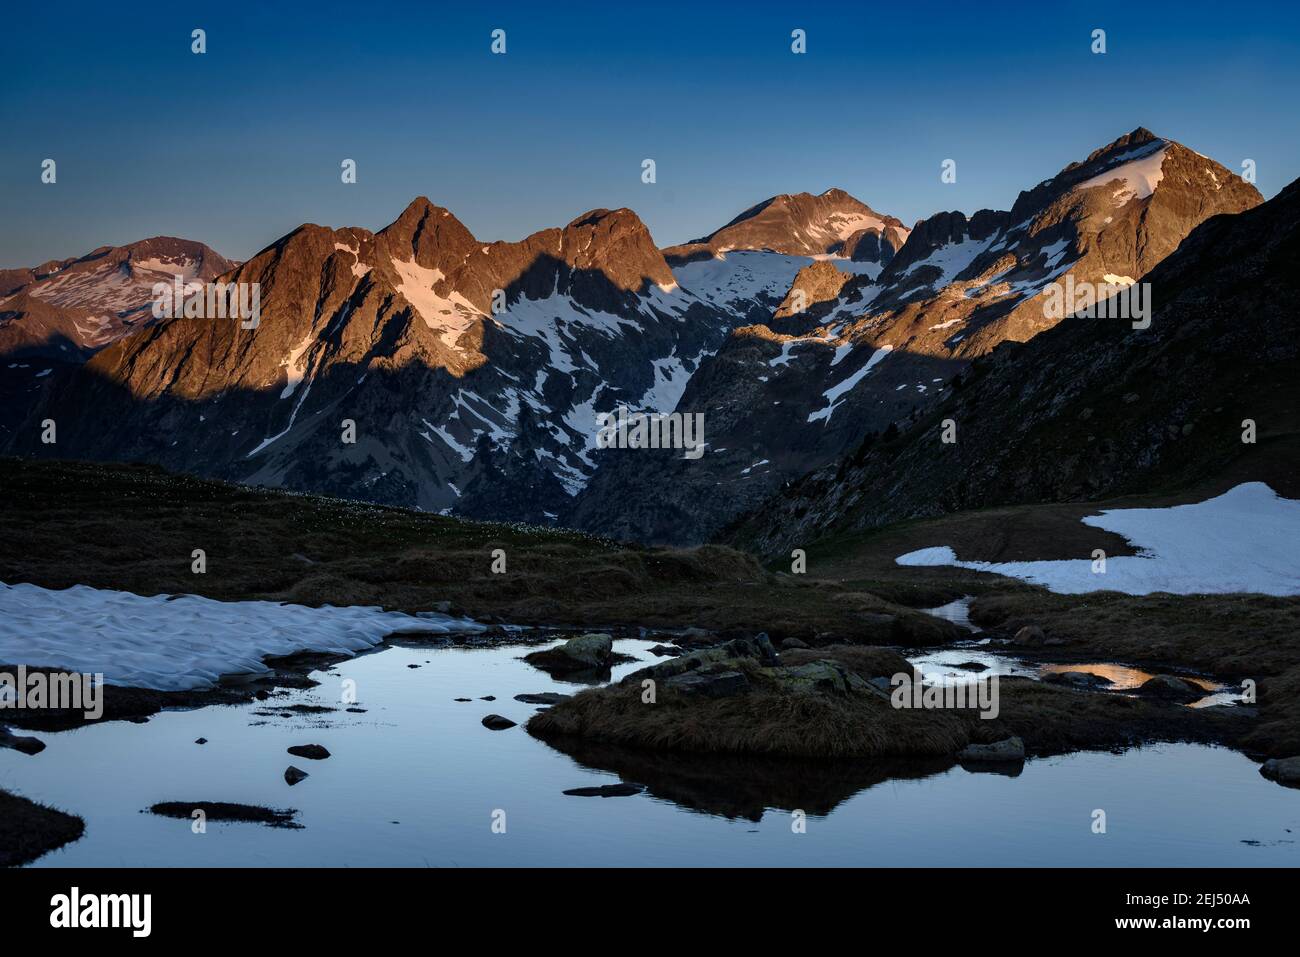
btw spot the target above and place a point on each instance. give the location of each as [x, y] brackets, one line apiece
[799, 224]
[428, 233]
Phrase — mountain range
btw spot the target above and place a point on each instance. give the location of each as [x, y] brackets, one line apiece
[811, 331]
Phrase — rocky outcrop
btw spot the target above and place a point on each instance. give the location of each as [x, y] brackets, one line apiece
[1008, 750]
[471, 373]
[885, 352]
[580, 653]
[1094, 407]
[1170, 688]
[1282, 770]
[801, 224]
[73, 307]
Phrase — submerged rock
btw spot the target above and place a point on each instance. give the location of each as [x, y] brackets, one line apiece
[495, 722]
[543, 697]
[606, 791]
[293, 775]
[312, 752]
[1083, 680]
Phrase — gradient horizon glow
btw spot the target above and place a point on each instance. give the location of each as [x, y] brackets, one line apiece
[240, 145]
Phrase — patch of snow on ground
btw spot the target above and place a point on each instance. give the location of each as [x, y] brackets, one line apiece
[184, 642]
[1245, 540]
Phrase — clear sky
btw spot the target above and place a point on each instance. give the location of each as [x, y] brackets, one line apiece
[239, 145]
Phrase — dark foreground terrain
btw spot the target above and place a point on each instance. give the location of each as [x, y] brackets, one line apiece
[839, 630]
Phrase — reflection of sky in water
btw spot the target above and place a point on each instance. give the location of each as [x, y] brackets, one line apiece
[957, 612]
[420, 758]
[939, 667]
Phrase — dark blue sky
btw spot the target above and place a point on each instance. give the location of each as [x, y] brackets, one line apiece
[240, 145]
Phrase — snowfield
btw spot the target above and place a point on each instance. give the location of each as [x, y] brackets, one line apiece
[182, 642]
[1245, 540]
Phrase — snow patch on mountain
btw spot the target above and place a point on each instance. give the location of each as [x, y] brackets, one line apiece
[1138, 170]
[451, 315]
[834, 395]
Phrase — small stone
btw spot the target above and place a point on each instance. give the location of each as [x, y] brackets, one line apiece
[1006, 750]
[606, 791]
[312, 752]
[494, 722]
[1029, 635]
[200, 740]
[293, 775]
[1076, 679]
[543, 697]
[1170, 688]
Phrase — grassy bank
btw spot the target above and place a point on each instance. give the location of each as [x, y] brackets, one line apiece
[136, 527]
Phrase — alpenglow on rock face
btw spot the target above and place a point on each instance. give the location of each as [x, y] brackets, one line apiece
[800, 391]
[66, 309]
[421, 366]
[1094, 408]
[455, 405]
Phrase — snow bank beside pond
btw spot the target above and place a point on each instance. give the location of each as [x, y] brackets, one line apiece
[183, 642]
[1246, 540]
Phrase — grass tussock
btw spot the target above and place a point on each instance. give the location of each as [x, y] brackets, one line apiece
[865, 660]
[28, 829]
[764, 721]
[1049, 719]
[134, 527]
[1227, 635]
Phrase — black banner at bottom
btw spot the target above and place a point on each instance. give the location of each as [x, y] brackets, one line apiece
[342, 905]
